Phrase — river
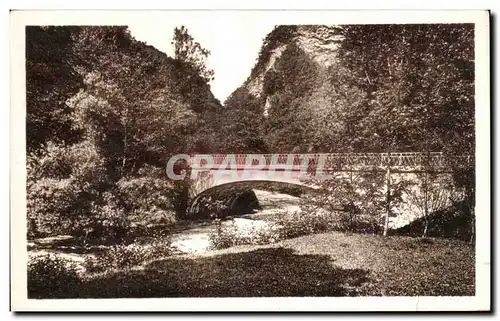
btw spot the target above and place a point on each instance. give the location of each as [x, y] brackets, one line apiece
[193, 239]
[196, 239]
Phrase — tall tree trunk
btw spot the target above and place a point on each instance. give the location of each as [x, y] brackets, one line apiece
[426, 207]
[426, 226]
[472, 224]
[125, 147]
[426, 189]
[387, 200]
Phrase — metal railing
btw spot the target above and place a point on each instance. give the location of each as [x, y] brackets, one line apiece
[333, 160]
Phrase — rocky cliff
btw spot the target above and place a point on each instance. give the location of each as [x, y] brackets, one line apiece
[320, 43]
[291, 81]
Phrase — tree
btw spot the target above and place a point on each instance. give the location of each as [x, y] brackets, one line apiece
[428, 194]
[290, 85]
[191, 53]
[356, 198]
[108, 117]
[243, 117]
[418, 81]
[50, 81]
[140, 107]
[417, 78]
[338, 109]
[131, 106]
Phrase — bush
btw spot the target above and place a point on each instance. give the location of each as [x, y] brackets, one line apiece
[149, 200]
[349, 203]
[64, 183]
[106, 223]
[222, 237]
[290, 225]
[81, 200]
[50, 276]
[294, 224]
[285, 188]
[63, 207]
[227, 236]
[48, 203]
[128, 256]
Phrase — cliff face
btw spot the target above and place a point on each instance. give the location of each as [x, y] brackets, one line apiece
[291, 82]
[320, 43]
[359, 88]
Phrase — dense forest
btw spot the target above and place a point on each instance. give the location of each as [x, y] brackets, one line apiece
[105, 111]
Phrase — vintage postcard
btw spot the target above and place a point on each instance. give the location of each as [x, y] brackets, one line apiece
[205, 160]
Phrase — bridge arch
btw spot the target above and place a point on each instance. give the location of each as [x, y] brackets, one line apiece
[230, 192]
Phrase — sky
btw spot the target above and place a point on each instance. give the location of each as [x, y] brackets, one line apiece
[234, 42]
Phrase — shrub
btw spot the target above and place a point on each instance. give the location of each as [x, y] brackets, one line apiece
[128, 256]
[222, 237]
[48, 203]
[227, 236]
[294, 224]
[312, 220]
[284, 188]
[50, 276]
[106, 223]
[290, 225]
[63, 207]
[352, 202]
[149, 200]
[64, 183]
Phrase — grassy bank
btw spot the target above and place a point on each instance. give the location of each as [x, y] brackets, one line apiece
[329, 264]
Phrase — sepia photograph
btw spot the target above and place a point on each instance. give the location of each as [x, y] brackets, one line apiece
[220, 155]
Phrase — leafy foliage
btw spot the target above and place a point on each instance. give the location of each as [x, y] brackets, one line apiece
[64, 186]
[190, 52]
[387, 88]
[148, 196]
[50, 81]
[225, 236]
[50, 276]
[357, 199]
[291, 84]
[101, 126]
[128, 256]
[383, 88]
[417, 78]
[105, 111]
[243, 118]
[295, 224]
[280, 35]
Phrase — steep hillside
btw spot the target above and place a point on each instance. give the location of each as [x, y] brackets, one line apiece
[291, 80]
[105, 113]
[360, 89]
[320, 43]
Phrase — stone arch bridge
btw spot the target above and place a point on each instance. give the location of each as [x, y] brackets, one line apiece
[211, 173]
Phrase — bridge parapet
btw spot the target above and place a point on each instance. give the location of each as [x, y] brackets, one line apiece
[331, 161]
[210, 172]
